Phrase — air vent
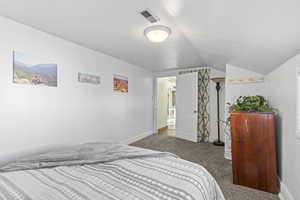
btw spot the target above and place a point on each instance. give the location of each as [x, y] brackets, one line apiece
[149, 16]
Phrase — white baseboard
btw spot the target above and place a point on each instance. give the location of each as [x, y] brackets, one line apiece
[285, 193]
[227, 155]
[137, 137]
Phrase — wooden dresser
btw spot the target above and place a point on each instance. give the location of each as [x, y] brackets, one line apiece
[253, 150]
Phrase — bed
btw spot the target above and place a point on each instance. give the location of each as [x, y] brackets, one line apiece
[105, 171]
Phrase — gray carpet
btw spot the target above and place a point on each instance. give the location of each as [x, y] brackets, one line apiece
[209, 156]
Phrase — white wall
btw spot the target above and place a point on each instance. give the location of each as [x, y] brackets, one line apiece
[213, 100]
[233, 91]
[162, 102]
[73, 112]
[282, 91]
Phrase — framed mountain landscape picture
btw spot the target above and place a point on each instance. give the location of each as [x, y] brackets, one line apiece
[120, 84]
[32, 70]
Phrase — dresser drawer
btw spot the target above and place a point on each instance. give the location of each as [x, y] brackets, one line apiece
[251, 128]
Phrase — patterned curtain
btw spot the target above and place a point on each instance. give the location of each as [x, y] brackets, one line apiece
[203, 105]
[203, 127]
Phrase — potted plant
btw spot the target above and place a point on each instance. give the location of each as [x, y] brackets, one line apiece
[250, 104]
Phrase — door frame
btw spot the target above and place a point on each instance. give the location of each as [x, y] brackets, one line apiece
[155, 95]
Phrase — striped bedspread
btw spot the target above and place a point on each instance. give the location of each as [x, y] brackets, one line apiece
[163, 177]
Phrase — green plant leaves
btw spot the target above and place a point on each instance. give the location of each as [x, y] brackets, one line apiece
[250, 104]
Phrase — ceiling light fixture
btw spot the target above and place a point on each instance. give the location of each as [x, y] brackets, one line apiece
[157, 33]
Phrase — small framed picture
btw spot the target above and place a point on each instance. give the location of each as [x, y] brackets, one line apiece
[88, 78]
[120, 83]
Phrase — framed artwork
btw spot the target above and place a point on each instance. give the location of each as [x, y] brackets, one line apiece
[120, 83]
[88, 78]
[31, 70]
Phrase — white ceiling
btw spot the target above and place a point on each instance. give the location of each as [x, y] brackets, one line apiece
[255, 34]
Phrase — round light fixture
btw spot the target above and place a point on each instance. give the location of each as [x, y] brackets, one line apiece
[157, 33]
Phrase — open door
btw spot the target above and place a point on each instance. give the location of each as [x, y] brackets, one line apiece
[166, 105]
[187, 106]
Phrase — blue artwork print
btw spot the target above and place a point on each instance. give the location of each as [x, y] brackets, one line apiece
[31, 70]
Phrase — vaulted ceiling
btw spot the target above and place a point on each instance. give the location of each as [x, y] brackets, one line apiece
[255, 34]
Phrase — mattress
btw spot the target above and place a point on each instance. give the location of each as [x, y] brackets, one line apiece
[117, 172]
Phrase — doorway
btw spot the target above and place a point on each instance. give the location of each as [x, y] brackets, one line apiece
[166, 106]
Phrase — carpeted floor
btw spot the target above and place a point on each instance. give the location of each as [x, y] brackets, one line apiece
[209, 156]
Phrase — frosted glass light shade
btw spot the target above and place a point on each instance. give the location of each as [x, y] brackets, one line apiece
[157, 33]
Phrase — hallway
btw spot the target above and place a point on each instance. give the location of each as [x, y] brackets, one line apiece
[170, 131]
